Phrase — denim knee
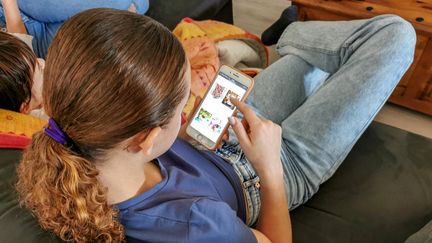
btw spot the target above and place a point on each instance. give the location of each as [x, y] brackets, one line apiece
[403, 35]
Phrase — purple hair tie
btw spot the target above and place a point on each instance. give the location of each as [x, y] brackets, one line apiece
[54, 131]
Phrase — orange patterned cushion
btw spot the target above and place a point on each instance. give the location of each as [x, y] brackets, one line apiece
[199, 40]
[16, 129]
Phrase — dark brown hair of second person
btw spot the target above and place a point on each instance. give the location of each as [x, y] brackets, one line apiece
[17, 64]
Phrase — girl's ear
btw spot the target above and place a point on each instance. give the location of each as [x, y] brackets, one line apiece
[25, 108]
[148, 142]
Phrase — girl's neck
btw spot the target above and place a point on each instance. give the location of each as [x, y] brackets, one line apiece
[126, 175]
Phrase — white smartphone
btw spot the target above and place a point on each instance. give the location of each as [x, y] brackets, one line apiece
[210, 120]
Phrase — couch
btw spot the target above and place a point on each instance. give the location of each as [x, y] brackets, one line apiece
[381, 193]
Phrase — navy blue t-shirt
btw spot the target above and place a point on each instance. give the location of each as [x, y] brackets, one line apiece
[200, 199]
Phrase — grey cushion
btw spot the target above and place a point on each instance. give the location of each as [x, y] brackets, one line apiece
[381, 193]
[16, 224]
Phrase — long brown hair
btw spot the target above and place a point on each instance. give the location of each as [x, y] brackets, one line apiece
[109, 75]
[17, 64]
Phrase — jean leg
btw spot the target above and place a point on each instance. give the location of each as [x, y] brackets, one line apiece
[282, 87]
[53, 11]
[423, 235]
[142, 6]
[2, 19]
[44, 34]
[365, 60]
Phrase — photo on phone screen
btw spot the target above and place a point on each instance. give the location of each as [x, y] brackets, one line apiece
[212, 115]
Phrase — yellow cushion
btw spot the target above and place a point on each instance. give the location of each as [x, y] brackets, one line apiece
[19, 124]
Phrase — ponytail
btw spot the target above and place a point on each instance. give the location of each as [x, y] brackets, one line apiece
[103, 84]
[63, 192]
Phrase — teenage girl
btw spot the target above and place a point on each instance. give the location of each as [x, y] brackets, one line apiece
[110, 164]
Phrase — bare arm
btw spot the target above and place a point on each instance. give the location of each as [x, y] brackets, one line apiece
[261, 144]
[14, 23]
[274, 219]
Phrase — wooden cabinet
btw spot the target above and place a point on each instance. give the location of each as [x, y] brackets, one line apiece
[415, 89]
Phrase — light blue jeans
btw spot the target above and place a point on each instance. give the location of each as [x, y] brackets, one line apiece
[43, 18]
[330, 83]
[423, 235]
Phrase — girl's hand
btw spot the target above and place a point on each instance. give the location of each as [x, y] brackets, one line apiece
[260, 140]
[182, 133]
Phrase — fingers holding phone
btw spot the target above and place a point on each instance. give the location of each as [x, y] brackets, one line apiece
[182, 133]
[259, 138]
[210, 120]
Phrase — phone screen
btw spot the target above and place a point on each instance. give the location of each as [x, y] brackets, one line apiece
[212, 115]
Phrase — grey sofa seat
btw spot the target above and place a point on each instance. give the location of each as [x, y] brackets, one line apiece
[17, 225]
[382, 192]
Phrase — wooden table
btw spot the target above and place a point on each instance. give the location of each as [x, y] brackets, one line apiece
[415, 89]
